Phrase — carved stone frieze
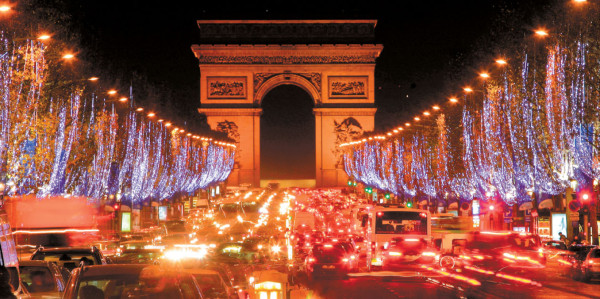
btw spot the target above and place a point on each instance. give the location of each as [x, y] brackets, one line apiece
[342, 59]
[313, 78]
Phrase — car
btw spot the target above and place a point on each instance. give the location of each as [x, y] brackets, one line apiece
[42, 279]
[511, 252]
[131, 281]
[590, 266]
[327, 259]
[578, 261]
[212, 284]
[69, 257]
[352, 254]
[402, 252]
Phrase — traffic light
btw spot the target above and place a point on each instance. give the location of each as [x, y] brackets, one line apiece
[117, 206]
[409, 204]
[349, 183]
[585, 197]
[387, 196]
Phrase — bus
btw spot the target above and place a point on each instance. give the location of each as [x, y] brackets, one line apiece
[384, 224]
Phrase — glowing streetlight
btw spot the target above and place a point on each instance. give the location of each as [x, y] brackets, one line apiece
[541, 32]
[68, 56]
[167, 125]
[139, 109]
[484, 75]
[161, 120]
[93, 79]
[189, 134]
[426, 113]
[407, 124]
[453, 100]
[468, 89]
[151, 114]
[436, 107]
[4, 8]
[112, 92]
[417, 118]
[44, 37]
[501, 61]
[123, 99]
[580, 1]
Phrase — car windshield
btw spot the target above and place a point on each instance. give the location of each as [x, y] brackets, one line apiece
[37, 279]
[151, 285]
[325, 250]
[109, 286]
[401, 222]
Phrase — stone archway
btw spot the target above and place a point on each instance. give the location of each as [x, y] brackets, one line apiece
[287, 136]
[265, 82]
[241, 61]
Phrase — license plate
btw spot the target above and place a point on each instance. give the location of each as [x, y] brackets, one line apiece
[329, 267]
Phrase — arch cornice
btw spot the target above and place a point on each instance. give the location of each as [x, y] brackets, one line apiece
[310, 86]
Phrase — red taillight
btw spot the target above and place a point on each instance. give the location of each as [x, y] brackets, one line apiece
[311, 260]
[345, 260]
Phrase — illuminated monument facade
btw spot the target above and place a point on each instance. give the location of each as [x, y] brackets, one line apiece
[332, 60]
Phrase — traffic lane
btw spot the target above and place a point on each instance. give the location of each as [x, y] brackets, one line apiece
[379, 287]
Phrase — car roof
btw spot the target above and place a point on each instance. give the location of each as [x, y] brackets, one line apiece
[66, 249]
[119, 269]
[34, 263]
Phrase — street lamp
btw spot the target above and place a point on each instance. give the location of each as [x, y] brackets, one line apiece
[112, 92]
[468, 89]
[484, 75]
[501, 61]
[453, 100]
[44, 37]
[541, 32]
[4, 8]
[93, 79]
[68, 56]
[123, 99]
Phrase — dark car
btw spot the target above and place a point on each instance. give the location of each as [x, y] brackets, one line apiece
[580, 266]
[327, 259]
[509, 252]
[130, 281]
[402, 252]
[70, 257]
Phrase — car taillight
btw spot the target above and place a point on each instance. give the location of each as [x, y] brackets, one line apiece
[310, 259]
[394, 253]
[345, 260]
[428, 253]
[354, 257]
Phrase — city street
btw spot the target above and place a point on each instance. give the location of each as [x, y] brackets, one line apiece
[299, 149]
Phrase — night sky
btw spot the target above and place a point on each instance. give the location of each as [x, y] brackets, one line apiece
[425, 44]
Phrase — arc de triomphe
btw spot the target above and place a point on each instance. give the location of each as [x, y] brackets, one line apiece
[332, 60]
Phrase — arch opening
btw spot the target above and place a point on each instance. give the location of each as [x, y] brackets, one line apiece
[287, 137]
